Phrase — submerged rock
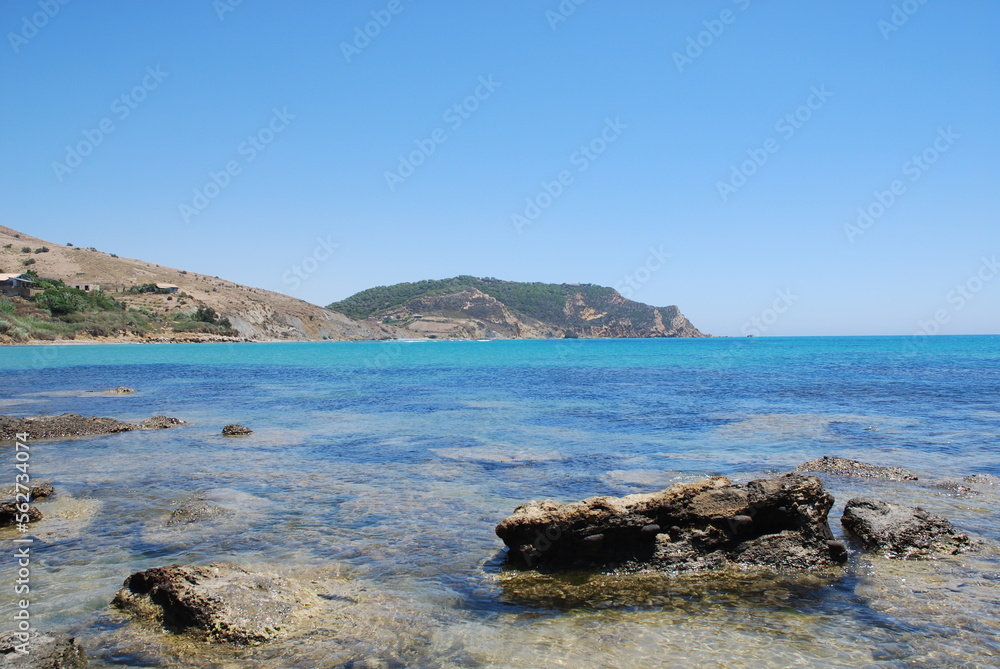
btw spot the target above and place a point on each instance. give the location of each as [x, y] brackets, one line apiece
[982, 479]
[197, 511]
[75, 425]
[771, 523]
[235, 430]
[845, 467]
[45, 651]
[223, 602]
[9, 512]
[900, 531]
[120, 390]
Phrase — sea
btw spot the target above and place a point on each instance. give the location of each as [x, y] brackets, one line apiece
[382, 468]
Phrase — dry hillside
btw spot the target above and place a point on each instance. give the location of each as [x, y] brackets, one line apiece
[255, 313]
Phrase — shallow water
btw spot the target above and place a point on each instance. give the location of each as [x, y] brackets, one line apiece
[386, 466]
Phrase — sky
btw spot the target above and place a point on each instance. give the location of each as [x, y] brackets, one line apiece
[773, 168]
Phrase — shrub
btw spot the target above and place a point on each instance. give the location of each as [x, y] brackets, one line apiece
[25, 249]
[63, 300]
[29, 261]
[42, 249]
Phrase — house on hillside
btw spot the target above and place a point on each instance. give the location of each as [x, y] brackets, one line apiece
[86, 287]
[15, 285]
[166, 288]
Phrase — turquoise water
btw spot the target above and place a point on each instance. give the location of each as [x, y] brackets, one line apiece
[387, 465]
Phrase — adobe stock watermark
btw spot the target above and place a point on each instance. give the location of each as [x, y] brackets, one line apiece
[761, 323]
[364, 34]
[223, 7]
[121, 108]
[31, 25]
[786, 127]
[901, 13]
[454, 116]
[581, 159]
[302, 270]
[562, 12]
[696, 44]
[248, 150]
[913, 169]
[960, 296]
[630, 284]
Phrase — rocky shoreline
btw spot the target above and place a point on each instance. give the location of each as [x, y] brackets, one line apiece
[697, 530]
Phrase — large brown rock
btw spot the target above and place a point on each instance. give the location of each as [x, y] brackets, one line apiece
[900, 531]
[223, 602]
[773, 523]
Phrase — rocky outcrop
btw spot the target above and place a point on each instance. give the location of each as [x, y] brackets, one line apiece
[75, 425]
[771, 523]
[844, 467]
[10, 511]
[44, 651]
[222, 602]
[235, 430]
[900, 531]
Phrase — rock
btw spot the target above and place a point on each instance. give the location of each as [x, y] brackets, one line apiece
[45, 651]
[770, 523]
[372, 663]
[900, 531]
[159, 423]
[36, 491]
[222, 602]
[235, 430]
[982, 479]
[120, 390]
[75, 425]
[844, 467]
[9, 512]
[195, 512]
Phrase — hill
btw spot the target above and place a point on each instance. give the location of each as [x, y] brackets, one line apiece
[128, 305]
[470, 307]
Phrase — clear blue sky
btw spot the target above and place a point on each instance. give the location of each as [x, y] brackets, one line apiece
[674, 127]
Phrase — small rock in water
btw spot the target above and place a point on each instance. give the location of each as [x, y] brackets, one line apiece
[159, 423]
[223, 602]
[45, 651]
[9, 513]
[196, 511]
[900, 531]
[235, 430]
[845, 467]
[35, 491]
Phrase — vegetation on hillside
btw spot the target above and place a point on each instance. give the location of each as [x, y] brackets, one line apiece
[59, 311]
[544, 302]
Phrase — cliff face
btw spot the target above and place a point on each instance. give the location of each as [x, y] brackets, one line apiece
[468, 307]
[255, 314]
